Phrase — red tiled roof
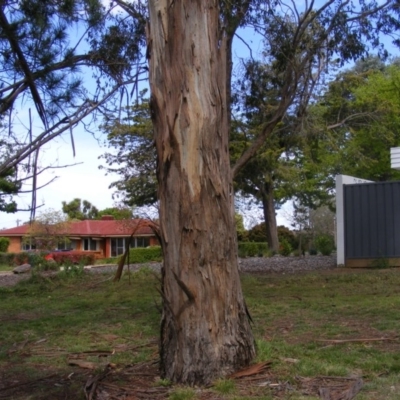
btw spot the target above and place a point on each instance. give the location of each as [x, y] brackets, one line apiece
[102, 228]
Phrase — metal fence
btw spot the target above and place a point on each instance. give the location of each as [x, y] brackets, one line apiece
[372, 220]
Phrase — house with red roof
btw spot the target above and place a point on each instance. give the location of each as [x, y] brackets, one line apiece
[105, 238]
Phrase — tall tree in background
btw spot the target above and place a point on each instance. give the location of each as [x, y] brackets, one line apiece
[135, 159]
[357, 122]
[78, 209]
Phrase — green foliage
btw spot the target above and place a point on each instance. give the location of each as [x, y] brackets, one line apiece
[252, 249]
[110, 260]
[380, 263]
[8, 184]
[118, 213]
[224, 386]
[143, 255]
[78, 209]
[8, 259]
[285, 233]
[325, 244]
[135, 159]
[4, 243]
[182, 394]
[361, 108]
[72, 270]
[257, 233]
[284, 247]
[240, 229]
[35, 258]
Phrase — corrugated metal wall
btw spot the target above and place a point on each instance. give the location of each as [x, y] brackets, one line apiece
[372, 220]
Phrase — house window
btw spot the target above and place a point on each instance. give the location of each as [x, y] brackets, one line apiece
[141, 242]
[119, 245]
[66, 245]
[27, 245]
[89, 244]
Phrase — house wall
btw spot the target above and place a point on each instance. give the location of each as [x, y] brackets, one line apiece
[15, 245]
[107, 249]
[102, 247]
[154, 241]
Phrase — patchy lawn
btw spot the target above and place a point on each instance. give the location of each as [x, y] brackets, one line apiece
[86, 337]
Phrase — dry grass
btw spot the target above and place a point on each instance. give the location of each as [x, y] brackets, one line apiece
[72, 338]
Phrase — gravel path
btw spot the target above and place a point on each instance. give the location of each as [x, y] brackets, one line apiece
[276, 264]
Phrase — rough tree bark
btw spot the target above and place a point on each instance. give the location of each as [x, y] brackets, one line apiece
[267, 197]
[205, 329]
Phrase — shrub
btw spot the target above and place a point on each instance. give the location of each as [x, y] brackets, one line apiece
[72, 270]
[141, 255]
[285, 233]
[7, 259]
[284, 247]
[4, 243]
[257, 233]
[20, 258]
[325, 244]
[313, 252]
[73, 258]
[252, 249]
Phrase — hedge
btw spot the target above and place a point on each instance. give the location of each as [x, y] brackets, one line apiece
[38, 257]
[4, 243]
[154, 253]
[252, 249]
[140, 255]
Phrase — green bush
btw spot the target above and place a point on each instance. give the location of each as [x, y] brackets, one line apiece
[7, 259]
[72, 270]
[14, 259]
[325, 244]
[4, 243]
[257, 233]
[285, 233]
[284, 247]
[252, 249]
[140, 255]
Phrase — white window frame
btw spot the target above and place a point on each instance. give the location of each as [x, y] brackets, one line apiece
[27, 246]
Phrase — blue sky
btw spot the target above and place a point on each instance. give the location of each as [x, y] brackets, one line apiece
[85, 180]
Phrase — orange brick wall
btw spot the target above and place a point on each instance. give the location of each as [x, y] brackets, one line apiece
[154, 241]
[15, 245]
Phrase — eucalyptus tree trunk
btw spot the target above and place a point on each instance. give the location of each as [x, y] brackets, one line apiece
[205, 330]
[267, 195]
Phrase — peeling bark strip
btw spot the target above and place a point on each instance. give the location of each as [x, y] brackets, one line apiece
[205, 332]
